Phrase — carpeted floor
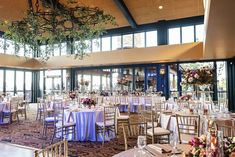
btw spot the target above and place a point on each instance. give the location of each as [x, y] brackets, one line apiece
[29, 133]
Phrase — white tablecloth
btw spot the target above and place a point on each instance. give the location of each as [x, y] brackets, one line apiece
[85, 120]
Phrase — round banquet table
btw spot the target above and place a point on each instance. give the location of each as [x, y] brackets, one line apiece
[4, 106]
[136, 152]
[85, 120]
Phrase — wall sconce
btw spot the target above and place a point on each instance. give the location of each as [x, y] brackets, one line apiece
[162, 71]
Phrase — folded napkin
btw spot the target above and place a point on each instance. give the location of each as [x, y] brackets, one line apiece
[157, 148]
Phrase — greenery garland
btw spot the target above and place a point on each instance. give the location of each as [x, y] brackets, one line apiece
[67, 23]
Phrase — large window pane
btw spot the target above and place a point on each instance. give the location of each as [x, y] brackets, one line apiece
[96, 82]
[20, 51]
[127, 41]
[116, 42]
[96, 45]
[116, 76]
[106, 79]
[152, 79]
[41, 82]
[20, 81]
[28, 51]
[28, 85]
[63, 48]
[151, 38]
[199, 32]
[139, 79]
[10, 47]
[1, 80]
[221, 80]
[10, 79]
[2, 42]
[188, 34]
[53, 81]
[174, 36]
[106, 45]
[56, 50]
[139, 40]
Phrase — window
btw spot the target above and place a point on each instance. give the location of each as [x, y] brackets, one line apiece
[28, 85]
[10, 79]
[28, 51]
[2, 43]
[56, 50]
[95, 82]
[174, 36]
[63, 49]
[106, 45]
[20, 81]
[221, 80]
[1, 80]
[20, 50]
[106, 79]
[116, 42]
[139, 40]
[188, 34]
[43, 49]
[41, 82]
[199, 32]
[88, 46]
[127, 41]
[10, 47]
[151, 38]
[96, 45]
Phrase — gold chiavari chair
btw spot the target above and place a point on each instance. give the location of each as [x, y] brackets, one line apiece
[108, 124]
[11, 110]
[132, 131]
[227, 126]
[188, 126]
[154, 131]
[122, 118]
[63, 125]
[59, 149]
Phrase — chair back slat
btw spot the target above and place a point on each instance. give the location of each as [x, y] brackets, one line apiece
[133, 130]
[188, 124]
[59, 149]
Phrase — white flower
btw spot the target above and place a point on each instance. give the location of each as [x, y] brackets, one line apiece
[190, 79]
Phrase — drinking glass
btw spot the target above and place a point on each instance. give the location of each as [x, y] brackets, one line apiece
[141, 142]
[220, 137]
[173, 142]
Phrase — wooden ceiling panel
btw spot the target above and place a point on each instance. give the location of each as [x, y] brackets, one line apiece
[147, 11]
[143, 11]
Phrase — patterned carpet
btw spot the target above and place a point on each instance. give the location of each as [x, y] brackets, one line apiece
[29, 133]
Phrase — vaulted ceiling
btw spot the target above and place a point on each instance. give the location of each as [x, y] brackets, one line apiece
[142, 11]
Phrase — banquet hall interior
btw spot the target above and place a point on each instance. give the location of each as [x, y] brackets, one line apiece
[121, 78]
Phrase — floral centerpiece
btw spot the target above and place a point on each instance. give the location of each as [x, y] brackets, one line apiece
[185, 97]
[104, 93]
[229, 146]
[72, 95]
[201, 76]
[123, 81]
[199, 146]
[88, 102]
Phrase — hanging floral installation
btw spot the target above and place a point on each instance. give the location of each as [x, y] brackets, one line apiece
[201, 76]
[50, 22]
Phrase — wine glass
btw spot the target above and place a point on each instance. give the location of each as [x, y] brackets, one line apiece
[173, 142]
[141, 142]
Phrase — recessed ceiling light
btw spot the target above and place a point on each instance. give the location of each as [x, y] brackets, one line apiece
[160, 7]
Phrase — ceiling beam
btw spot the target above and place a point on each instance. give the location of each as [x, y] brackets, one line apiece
[125, 11]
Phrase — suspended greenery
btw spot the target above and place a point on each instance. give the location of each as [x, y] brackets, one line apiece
[58, 24]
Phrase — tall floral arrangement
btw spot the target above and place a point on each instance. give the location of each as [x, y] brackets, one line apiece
[201, 76]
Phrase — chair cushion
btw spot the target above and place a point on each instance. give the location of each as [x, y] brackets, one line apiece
[108, 123]
[158, 131]
[123, 117]
[49, 119]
